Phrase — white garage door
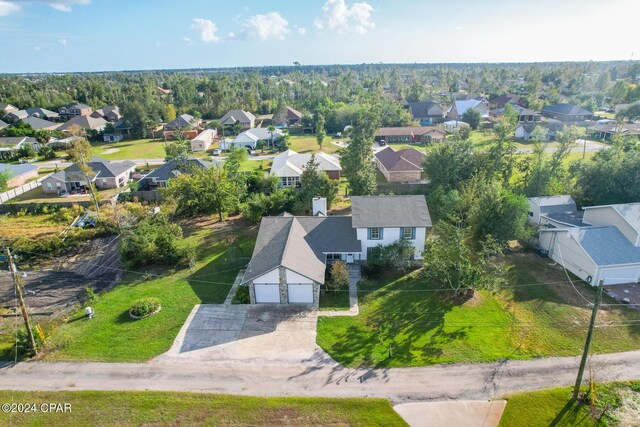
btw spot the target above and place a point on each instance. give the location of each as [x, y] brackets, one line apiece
[301, 294]
[614, 276]
[267, 293]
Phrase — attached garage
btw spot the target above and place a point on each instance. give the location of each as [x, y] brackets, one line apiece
[619, 275]
[267, 293]
[300, 293]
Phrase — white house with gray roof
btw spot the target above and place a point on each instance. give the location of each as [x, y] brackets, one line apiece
[541, 207]
[291, 252]
[604, 245]
[289, 165]
[105, 175]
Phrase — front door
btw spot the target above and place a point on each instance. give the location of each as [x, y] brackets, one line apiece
[349, 258]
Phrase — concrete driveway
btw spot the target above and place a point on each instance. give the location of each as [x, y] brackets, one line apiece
[235, 334]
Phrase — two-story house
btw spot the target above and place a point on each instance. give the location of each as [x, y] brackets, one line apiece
[75, 109]
[292, 252]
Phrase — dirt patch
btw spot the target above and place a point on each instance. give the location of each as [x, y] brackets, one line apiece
[111, 151]
[474, 301]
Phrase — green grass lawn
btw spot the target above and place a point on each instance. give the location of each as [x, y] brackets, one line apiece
[555, 407]
[255, 165]
[309, 144]
[112, 336]
[106, 408]
[426, 327]
[130, 149]
[334, 299]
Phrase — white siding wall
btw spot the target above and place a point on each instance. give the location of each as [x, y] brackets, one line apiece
[293, 277]
[390, 235]
[533, 207]
[271, 277]
[564, 250]
[608, 216]
[615, 275]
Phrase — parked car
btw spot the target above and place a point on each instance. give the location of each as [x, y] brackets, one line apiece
[217, 152]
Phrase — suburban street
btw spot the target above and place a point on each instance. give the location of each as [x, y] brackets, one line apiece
[327, 378]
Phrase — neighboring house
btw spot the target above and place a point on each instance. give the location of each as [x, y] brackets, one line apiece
[19, 174]
[43, 113]
[7, 108]
[566, 113]
[291, 253]
[121, 129]
[426, 112]
[524, 114]
[607, 130]
[602, 242]
[203, 141]
[105, 175]
[540, 207]
[110, 113]
[251, 137]
[503, 100]
[400, 166]
[40, 124]
[460, 107]
[14, 116]
[86, 122]
[159, 178]
[411, 134]
[3, 124]
[62, 143]
[75, 109]
[453, 125]
[181, 122]
[10, 145]
[289, 165]
[289, 117]
[245, 118]
[525, 130]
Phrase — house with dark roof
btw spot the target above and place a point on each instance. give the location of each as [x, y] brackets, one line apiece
[605, 131]
[524, 114]
[75, 109]
[244, 118]
[600, 243]
[291, 253]
[288, 117]
[39, 124]
[16, 115]
[110, 113]
[19, 174]
[9, 145]
[85, 122]
[160, 177]
[43, 113]
[400, 166]
[426, 112]
[566, 113]
[105, 175]
[410, 134]
[509, 98]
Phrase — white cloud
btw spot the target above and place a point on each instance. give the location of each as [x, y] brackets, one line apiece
[206, 28]
[301, 30]
[63, 42]
[7, 8]
[187, 40]
[339, 17]
[265, 27]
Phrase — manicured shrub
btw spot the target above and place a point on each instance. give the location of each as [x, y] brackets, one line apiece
[144, 307]
[241, 296]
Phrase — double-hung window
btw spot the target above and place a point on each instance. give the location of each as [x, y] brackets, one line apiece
[375, 233]
[407, 233]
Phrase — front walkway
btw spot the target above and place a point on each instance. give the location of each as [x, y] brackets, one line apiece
[354, 277]
[234, 288]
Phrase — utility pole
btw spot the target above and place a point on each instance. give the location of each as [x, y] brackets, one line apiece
[23, 307]
[587, 344]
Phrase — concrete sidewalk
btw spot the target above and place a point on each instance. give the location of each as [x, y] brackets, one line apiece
[354, 277]
[475, 413]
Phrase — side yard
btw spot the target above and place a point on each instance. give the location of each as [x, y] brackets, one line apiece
[113, 336]
[130, 149]
[538, 315]
[106, 408]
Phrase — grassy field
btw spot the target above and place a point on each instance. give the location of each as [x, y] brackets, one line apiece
[255, 165]
[309, 144]
[113, 336]
[36, 226]
[130, 150]
[334, 299]
[426, 326]
[555, 407]
[106, 408]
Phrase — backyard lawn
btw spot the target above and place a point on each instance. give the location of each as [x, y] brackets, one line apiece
[426, 326]
[130, 150]
[113, 336]
[107, 408]
[309, 144]
[554, 407]
[255, 165]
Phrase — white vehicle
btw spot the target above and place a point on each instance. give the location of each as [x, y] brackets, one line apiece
[216, 152]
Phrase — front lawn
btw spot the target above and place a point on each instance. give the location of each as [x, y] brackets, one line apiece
[309, 144]
[334, 299]
[130, 149]
[107, 408]
[426, 326]
[113, 336]
[255, 165]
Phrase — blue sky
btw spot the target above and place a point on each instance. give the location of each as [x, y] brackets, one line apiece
[97, 35]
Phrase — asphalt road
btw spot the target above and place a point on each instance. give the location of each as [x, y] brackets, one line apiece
[441, 382]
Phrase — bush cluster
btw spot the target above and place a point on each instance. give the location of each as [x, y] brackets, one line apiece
[144, 307]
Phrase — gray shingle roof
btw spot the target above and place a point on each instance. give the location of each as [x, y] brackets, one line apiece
[425, 108]
[571, 218]
[103, 168]
[174, 167]
[182, 121]
[37, 123]
[390, 211]
[405, 160]
[607, 245]
[299, 244]
[569, 109]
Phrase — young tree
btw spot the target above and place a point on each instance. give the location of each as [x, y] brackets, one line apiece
[5, 176]
[472, 117]
[80, 153]
[272, 130]
[175, 150]
[315, 183]
[339, 276]
[169, 113]
[320, 131]
[357, 158]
